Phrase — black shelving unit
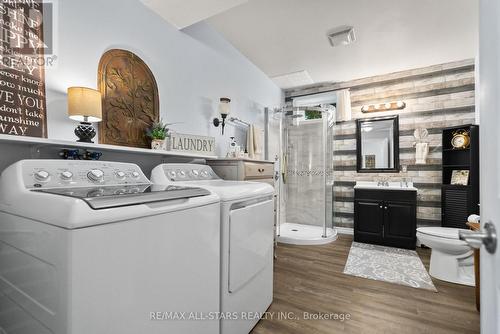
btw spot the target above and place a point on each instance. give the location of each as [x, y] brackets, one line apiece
[460, 201]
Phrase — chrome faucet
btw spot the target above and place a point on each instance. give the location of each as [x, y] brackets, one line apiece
[383, 182]
[404, 181]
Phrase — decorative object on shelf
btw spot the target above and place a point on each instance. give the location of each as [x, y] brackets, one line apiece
[460, 139]
[74, 154]
[23, 101]
[224, 110]
[159, 135]
[84, 105]
[460, 177]
[130, 99]
[192, 143]
[398, 105]
[235, 151]
[233, 148]
[421, 146]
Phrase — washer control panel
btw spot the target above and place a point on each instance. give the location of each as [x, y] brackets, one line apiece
[188, 172]
[78, 173]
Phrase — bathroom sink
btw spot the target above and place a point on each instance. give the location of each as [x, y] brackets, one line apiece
[387, 186]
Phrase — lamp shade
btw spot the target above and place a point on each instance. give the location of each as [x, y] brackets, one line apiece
[84, 104]
[224, 106]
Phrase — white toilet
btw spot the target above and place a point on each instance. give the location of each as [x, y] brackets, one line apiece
[452, 259]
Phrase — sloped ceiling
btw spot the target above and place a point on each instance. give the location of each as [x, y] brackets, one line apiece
[289, 36]
[183, 13]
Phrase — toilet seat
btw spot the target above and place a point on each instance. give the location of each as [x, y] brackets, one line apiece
[441, 232]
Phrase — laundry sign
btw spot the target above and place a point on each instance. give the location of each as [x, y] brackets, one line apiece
[193, 144]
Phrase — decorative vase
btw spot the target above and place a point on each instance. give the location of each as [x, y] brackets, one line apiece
[168, 144]
[158, 144]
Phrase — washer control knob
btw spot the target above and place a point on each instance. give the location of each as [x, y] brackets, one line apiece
[182, 174]
[120, 175]
[66, 175]
[195, 172]
[205, 173]
[172, 174]
[135, 175]
[42, 176]
[96, 175]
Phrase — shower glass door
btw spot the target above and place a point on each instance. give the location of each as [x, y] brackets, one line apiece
[307, 174]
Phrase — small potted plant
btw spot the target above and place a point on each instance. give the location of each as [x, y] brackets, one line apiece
[159, 134]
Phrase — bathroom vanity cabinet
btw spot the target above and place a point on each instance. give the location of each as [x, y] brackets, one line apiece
[385, 217]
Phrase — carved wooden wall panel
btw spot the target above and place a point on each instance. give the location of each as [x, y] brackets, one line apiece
[129, 99]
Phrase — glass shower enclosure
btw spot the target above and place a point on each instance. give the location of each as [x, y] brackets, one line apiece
[305, 208]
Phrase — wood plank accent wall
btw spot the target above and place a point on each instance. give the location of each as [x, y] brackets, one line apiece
[437, 97]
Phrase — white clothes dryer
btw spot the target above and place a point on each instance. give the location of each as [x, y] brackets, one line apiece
[247, 237]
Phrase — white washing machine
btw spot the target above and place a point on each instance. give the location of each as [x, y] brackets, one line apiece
[247, 234]
[88, 247]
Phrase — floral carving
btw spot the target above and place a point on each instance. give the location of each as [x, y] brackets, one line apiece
[130, 99]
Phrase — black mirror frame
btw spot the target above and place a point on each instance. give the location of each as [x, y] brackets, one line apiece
[396, 145]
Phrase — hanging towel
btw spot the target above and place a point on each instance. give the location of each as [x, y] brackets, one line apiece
[344, 112]
[258, 135]
[254, 142]
[421, 153]
[250, 147]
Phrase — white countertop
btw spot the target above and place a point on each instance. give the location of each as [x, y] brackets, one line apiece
[372, 185]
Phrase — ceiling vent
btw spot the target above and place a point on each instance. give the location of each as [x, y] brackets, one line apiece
[294, 79]
[342, 35]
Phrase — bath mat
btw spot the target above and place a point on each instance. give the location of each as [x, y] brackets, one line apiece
[388, 264]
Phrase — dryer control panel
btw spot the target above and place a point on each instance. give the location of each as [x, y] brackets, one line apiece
[167, 173]
[77, 173]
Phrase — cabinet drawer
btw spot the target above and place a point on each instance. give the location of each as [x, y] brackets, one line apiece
[226, 172]
[258, 171]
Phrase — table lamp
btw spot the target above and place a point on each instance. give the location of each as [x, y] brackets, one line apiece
[85, 106]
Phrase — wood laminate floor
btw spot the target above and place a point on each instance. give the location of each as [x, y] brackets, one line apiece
[310, 279]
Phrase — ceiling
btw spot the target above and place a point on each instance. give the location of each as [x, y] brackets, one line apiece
[289, 36]
[183, 13]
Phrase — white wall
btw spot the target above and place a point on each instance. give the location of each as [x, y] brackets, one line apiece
[193, 67]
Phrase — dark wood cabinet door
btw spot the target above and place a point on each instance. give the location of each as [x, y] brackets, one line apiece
[368, 221]
[400, 224]
[456, 205]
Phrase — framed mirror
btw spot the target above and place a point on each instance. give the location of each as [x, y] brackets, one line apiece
[377, 145]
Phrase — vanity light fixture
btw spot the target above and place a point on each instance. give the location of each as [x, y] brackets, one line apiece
[224, 110]
[397, 105]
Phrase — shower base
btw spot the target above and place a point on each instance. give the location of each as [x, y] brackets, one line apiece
[300, 234]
